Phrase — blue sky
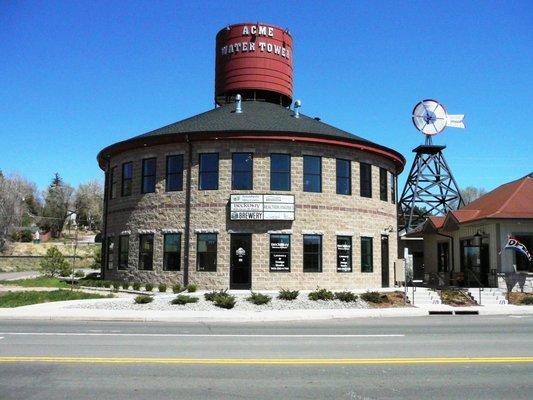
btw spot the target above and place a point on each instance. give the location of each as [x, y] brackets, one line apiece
[77, 76]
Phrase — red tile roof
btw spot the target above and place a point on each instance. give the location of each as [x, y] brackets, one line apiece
[510, 200]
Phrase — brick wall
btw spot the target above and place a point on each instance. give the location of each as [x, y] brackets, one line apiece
[326, 213]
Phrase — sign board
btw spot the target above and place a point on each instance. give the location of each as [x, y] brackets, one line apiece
[344, 254]
[262, 207]
[280, 250]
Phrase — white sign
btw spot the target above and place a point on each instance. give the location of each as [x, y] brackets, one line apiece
[269, 207]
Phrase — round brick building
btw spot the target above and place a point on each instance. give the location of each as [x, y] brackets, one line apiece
[252, 194]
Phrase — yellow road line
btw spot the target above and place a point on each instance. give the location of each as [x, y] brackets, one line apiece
[266, 361]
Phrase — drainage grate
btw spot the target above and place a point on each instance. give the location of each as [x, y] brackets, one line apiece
[467, 312]
[440, 312]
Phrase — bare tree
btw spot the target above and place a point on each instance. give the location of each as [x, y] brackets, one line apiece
[58, 198]
[89, 203]
[471, 193]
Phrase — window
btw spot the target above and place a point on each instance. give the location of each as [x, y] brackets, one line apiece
[312, 253]
[172, 252]
[208, 171]
[146, 251]
[113, 180]
[280, 172]
[148, 176]
[174, 176]
[443, 256]
[312, 174]
[393, 188]
[366, 180]
[383, 184]
[522, 263]
[344, 177]
[344, 254]
[206, 252]
[280, 253]
[242, 171]
[110, 252]
[367, 259]
[123, 251]
[127, 176]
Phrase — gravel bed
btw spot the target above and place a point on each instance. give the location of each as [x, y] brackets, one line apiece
[162, 303]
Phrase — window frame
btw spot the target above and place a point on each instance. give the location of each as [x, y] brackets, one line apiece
[121, 252]
[393, 188]
[270, 254]
[141, 252]
[169, 174]
[348, 178]
[201, 172]
[319, 254]
[234, 171]
[279, 172]
[165, 251]
[383, 183]
[370, 268]
[319, 174]
[129, 180]
[113, 183]
[145, 176]
[110, 250]
[198, 269]
[365, 191]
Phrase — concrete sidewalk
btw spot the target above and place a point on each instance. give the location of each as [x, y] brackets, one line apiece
[57, 311]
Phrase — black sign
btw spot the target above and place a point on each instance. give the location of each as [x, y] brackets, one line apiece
[344, 254]
[280, 253]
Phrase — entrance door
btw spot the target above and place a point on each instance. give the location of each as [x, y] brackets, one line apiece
[241, 261]
[384, 261]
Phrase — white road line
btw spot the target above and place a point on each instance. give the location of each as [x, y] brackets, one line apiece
[197, 335]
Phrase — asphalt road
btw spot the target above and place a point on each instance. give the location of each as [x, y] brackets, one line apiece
[438, 357]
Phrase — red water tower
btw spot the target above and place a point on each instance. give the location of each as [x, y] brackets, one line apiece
[255, 61]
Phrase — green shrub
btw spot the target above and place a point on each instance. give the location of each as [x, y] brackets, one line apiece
[54, 263]
[321, 294]
[258, 298]
[115, 285]
[162, 288]
[285, 294]
[224, 301]
[177, 288]
[125, 285]
[527, 300]
[191, 288]
[143, 299]
[136, 286]
[106, 284]
[210, 296]
[184, 299]
[148, 287]
[372, 297]
[346, 296]
[79, 274]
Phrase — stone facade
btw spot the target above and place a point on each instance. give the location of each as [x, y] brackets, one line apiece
[326, 213]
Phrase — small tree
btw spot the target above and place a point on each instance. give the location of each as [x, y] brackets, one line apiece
[54, 263]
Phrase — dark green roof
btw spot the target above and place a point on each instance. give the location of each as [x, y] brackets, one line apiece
[256, 116]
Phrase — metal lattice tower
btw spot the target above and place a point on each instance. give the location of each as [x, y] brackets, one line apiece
[430, 188]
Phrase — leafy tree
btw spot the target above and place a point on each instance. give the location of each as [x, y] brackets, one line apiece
[56, 206]
[471, 193]
[54, 263]
[88, 203]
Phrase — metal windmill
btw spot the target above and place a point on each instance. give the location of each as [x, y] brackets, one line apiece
[430, 188]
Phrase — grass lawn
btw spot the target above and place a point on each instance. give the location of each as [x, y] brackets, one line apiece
[41, 281]
[18, 299]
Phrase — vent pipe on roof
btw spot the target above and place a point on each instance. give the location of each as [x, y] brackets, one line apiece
[297, 105]
[238, 107]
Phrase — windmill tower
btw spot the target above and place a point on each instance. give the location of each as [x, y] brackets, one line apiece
[430, 188]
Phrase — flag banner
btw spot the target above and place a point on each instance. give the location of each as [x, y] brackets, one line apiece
[455, 121]
[514, 244]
